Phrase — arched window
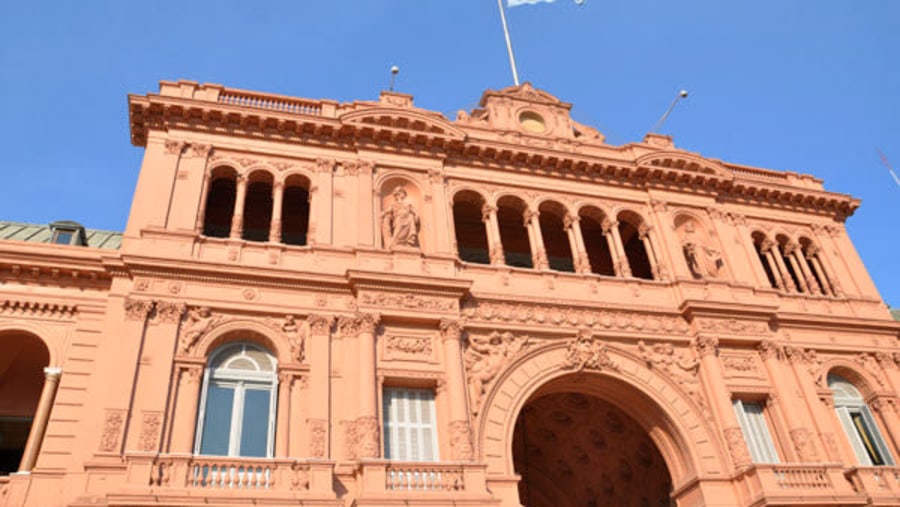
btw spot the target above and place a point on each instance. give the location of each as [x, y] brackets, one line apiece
[258, 207]
[635, 251]
[761, 245]
[21, 380]
[471, 234]
[556, 239]
[237, 416]
[858, 423]
[295, 211]
[596, 242]
[219, 207]
[513, 232]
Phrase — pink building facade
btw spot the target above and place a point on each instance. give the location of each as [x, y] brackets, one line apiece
[334, 304]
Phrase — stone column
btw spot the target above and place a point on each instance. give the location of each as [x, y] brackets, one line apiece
[767, 247]
[184, 420]
[811, 256]
[368, 444]
[283, 421]
[319, 358]
[620, 260]
[201, 207]
[790, 250]
[707, 348]
[237, 220]
[806, 273]
[41, 418]
[460, 430]
[538, 252]
[277, 203]
[367, 227]
[782, 268]
[785, 391]
[644, 232]
[576, 243]
[492, 229]
[607, 227]
[442, 213]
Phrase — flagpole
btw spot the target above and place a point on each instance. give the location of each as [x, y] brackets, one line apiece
[512, 59]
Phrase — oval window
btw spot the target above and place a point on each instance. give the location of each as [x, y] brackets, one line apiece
[532, 122]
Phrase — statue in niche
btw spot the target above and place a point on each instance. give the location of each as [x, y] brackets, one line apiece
[703, 260]
[400, 223]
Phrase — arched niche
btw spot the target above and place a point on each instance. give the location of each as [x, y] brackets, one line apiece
[402, 223]
[469, 227]
[699, 251]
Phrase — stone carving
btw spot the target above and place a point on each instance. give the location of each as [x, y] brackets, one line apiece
[450, 330]
[410, 301]
[318, 435]
[364, 438]
[400, 223]
[769, 349]
[734, 326]
[35, 308]
[585, 352]
[137, 309]
[485, 357]
[409, 345]
[150, 425]
[320, 324]
[803, 443]
[198, 321]
[112, 430]
[324, 165]
[682, 370]
[174, 147]
[805, 357]
[299, 476]
[742, 364]
[871, 366]
[289, 328]
[737, 447]
[706, 345]
[461, 441]
[199, 150]
[169, 312]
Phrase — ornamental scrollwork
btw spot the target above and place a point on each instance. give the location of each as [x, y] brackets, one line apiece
[137, 309]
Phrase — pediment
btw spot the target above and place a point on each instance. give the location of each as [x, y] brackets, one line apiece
[683, 161]
[525, 92]
[404, 119]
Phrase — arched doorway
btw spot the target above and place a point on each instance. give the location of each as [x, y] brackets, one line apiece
[23, 358]
[572, 448]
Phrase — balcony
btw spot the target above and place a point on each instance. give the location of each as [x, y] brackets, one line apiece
[880, 484]
[797, 484]
[187, 480]
[387, 482]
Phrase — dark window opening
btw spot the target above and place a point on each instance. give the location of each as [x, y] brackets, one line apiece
[514, 236]
[219, 208]
[638, 260]
[471, 234]
[597, 247]
[257, 211]
[295, 216]
[556, 242]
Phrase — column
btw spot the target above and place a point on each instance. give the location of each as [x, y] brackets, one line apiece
[460, 430]
[607, 228]
[41, 417]
[811, 256]
[711, 374]
[442, 213]
[538, 253]
[184, 420]
[201, 207]
[367, 424]
[816, 416]
[807, 272]
[366, 226]
[237, 221]
[767, 247]
[283, 422]
[785, 392]
[644, 232]
[619, 259]
[277, 204]
[789, 252]
[492, 229]
[782, 268]
[318, 355]
[576, 243]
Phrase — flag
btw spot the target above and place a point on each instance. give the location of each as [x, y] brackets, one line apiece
[516, 3]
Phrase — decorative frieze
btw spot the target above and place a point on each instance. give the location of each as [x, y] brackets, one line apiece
[733, 326]
[408, 347]
[113, 423]
[461, 441]
[169, 312]
[408, 301]
[37, 309]
[318, 438]
[320, 324]
[585, 352]
[737, 447]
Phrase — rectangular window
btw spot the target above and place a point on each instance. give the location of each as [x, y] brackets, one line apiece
[864, 436]
[756, 431]
[409, 425]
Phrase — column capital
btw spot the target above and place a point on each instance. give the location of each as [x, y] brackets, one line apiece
[706, 345]
[569, 220]
[529, 214]
[769, 349]
[367, 322]
[320, 324]
[486, 211]
[137, 309]
[644, 230]
[451, 330]
[608, 225]
[766, 245]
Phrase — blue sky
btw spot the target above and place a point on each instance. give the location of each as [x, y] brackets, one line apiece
[809, 86]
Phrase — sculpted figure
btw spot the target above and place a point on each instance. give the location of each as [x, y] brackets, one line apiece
[702, 260]
[486, 357]
[199, 320]
[400, 223]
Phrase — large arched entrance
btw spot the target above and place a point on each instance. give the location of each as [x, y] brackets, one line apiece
[572, 448]
[23, 358]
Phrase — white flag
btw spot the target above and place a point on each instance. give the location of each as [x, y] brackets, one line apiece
[516, 3]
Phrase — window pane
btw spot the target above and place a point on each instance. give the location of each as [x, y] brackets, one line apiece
[217, 420]
[255, 423]
[868, 439]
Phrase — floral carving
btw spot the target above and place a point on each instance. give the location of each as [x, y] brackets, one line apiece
[199, 150]
[769, 349]
[199, 320]
[408, 301]
[409, 345]
[742, 364]
[320, 324]
[682, 370]
[364, 438]
[169, 312]
[451, 330]
[112, 430]
[871, 366]
[586, 352]
[706, 345]
[324, 165]
[174, 147]
[486, 357]
[809, 358]
[733, 326]
[803, 443]
[149, 437]
[318, 434]
[137, 309]
[737, 447]
[461, 441]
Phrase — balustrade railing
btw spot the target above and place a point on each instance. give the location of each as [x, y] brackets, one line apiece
[876, 482]
[271, 102]
[819, 484]
[424, 477]
[400, 479]
[803, 477]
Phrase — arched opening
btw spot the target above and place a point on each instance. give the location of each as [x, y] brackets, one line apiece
[513, 232]
[295, 211]
[782, 242]
[759, 240]
[810, 254]
[858, 422]
[220, 199]
[574, 448]
[635, 252]
[471, 234]
[556, 240]
[23, 358]
[595, 242]
[258, 207]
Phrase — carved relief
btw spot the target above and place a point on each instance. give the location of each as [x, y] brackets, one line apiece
[318, 435]
[451, 330]
[682, 370]
[198, 321]
[706, 345]
[803, 443]
[400, 223]
[299, 476]
[737, 447]
[35, 308]
[112, 430]
[407, 301]
[585, 352]
[169, 312]
[151, 422]
[397, 346]
[174, 147]
[320, 324]
[137, 309]
[769, 349]
[733, 326]
[461, 441]
[485, 357]
[809, 358]
[871, 366]
[289, 328]
[364, 438]
[740, 365]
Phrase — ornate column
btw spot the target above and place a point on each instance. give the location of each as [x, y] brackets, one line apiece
[808, 278]
[620, 260]
[766, 248]
[802, 361]
[460, 430]
[776, 254]
[367, 427]
[319, 358]
[576, 243]
[237, 220]
[41, 417]
[283, 421]
[277, 202]
[707, 348]
[644, 234]
[790, 250]
[184, 420]
[492, 228]
[886, 408]
[785, 391]
[538, 252]
[812, 257]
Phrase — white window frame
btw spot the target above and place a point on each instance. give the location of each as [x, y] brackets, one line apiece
[849, 402]
[415, 430]
[755, 427]
[240, 381]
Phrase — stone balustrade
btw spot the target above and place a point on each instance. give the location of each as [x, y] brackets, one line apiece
[380, 479]
[880, 484]
[795, 483]
[271, 102]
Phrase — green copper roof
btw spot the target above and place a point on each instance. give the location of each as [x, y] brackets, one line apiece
[895, 312]
[36, 233]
